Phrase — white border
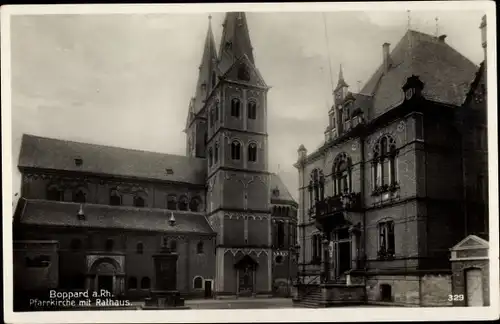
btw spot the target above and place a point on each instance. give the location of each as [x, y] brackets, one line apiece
[272, 315]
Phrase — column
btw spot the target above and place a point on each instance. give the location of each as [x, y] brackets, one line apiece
[115, 286]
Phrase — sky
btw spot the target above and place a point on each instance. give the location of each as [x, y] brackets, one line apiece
[126, 79]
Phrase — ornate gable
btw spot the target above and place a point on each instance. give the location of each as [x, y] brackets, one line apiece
[244, 71]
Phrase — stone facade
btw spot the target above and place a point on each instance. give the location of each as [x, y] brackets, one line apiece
[395, 183]
[105, 211]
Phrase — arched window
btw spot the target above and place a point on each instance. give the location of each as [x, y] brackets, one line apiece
[76, 244]
[384, 163]
[252, 109]
[386, 239]
[145, 283]
[210, 157]
[109, 245]
[198, 283]
[79, 196]
[54, 193]
[342, 174]
[199, 248]
[132, 283]
[183, 203]
[194, 204]
[216, 153]
[235, 107]
[139, 201]
[172, 202]
[252, 152]
[173, 246]
[316, 186]
[235, 150]
[243, 73]
[140, 248]
[114, 198]
[281, 234]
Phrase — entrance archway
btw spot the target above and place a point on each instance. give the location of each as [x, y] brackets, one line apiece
[107, 277]
[245, 272]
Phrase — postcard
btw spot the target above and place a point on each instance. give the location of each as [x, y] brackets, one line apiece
[286, 162]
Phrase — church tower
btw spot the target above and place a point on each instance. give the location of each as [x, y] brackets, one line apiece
[196, 123]
[238, 194]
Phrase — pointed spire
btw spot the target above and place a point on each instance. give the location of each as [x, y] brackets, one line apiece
[341, 82]
[235, 40]
[207, 76]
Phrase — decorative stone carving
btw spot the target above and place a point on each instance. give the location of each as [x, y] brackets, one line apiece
[401, 126]
[246, 251]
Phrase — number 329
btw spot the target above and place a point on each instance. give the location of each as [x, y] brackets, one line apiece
[455, 297]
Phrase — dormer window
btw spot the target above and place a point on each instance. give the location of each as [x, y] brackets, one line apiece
[78, 161]
[203, 86]
[412, 87]
[228, 45]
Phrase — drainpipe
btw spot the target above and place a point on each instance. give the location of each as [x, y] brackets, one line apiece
[363, 176]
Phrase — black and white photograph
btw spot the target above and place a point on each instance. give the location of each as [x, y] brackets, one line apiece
[250, 162]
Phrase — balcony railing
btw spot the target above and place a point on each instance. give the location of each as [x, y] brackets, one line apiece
[331, 205]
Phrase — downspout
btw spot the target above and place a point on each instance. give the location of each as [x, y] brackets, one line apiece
[364, 256]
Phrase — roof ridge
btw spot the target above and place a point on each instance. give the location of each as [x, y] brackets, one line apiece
[104, 146]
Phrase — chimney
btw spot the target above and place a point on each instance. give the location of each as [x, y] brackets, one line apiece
[483, 35]
[385, 56]
[442, 38]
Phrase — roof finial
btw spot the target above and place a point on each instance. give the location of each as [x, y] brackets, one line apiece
[437, 26]
[359, 86]
[209, 17]
[409, 19]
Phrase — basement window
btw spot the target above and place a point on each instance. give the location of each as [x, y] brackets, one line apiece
[169, 171]
[78, 161]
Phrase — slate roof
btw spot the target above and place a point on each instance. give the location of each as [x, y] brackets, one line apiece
[56, 213]
[446, 73]
[55, 154]
[283, 193]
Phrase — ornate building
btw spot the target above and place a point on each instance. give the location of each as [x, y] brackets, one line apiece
[91, 216]
[400, 179]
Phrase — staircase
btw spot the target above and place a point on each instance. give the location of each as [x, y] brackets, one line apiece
[310, 296]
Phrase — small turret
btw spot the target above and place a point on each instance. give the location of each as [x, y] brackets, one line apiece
[302, 152]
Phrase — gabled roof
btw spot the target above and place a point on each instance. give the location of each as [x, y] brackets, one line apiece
[471, 242]
[55, 154]
[446, 73]
[281, 194]
[56, 213]
[244, 59]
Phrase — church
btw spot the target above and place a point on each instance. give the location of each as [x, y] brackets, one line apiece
[91, 217]
[400, 179]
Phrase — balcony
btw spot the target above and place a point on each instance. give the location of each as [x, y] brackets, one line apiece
[336, 204]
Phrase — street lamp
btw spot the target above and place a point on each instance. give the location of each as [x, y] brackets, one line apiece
[297, 256]
[326, 262]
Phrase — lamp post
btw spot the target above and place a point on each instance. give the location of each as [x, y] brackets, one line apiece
[297, 256]
[326, 262]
